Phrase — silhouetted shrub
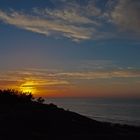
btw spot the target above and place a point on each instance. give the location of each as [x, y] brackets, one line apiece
[40, 100]
[15, 96]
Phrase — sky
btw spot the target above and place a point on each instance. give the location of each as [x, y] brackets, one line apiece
[71, 48]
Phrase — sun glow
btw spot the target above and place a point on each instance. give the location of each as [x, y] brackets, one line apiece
[28, 86]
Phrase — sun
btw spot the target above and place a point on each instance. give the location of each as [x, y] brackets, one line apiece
[28, 86]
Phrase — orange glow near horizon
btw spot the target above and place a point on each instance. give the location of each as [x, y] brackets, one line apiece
[55, 84]
[28, 86]
[34, 87]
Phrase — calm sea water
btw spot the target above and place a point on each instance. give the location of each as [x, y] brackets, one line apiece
[124, 111]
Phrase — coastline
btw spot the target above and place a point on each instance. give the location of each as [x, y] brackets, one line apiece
[123, 111]
[42, 121]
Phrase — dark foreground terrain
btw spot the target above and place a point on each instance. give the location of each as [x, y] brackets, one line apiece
[22, 118]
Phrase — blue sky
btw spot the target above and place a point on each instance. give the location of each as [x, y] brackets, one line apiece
[71, 43]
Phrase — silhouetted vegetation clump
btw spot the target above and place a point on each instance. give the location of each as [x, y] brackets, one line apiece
[40, 100]
[15, 96]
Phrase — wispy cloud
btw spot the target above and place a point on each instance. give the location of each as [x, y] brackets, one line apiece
[37, 78]
[56, 22]
[101, 75]
[71, 20]
[78, 20]
[57, 79]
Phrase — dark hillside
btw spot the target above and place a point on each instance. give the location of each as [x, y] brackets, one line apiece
[23, 118]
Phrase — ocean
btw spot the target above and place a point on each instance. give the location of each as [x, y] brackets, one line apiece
[123, 111]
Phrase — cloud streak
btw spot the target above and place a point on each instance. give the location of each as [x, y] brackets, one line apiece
[48, 26]
[56, 78]
[77, 21]
[100, 75]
